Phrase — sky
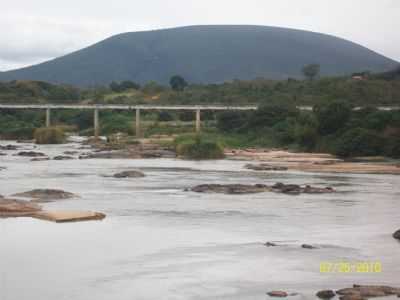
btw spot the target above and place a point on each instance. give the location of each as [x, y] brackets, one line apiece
[34, 31]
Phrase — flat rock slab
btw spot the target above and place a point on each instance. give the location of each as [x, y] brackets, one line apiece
[69, 216]
[45, 195]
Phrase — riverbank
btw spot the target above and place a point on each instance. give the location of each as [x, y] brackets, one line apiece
[315, 162]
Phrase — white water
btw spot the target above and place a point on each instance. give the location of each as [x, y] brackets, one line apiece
[160, 242]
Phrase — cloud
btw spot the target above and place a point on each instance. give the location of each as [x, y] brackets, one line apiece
[46, 29]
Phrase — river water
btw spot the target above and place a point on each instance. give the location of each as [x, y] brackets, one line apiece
[160, 242]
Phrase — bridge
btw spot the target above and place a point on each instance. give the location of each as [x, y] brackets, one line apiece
[139, 108]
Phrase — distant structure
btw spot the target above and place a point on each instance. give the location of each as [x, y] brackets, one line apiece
[360, 76]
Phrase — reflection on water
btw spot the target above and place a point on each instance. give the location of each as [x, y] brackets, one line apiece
[159, 241]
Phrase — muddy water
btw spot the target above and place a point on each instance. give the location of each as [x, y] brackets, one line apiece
[160, 242]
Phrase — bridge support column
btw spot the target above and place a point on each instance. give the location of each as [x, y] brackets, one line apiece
[48, 117]
[96, 126]
[137, 126]
[198, 121]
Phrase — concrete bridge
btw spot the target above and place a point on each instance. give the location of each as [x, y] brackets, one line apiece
[139, 108]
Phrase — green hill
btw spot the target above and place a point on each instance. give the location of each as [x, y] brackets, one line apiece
[205, 54]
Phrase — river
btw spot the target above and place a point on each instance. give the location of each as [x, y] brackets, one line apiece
[162, 242]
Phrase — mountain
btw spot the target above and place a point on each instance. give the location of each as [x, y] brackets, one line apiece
[205, 54]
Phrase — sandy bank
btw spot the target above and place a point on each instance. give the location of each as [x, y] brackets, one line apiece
[314, 162]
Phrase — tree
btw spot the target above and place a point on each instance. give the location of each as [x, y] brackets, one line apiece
[311, 71]
[178, 83]
[332, 117]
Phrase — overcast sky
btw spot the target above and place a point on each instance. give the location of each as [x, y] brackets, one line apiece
[33, 31]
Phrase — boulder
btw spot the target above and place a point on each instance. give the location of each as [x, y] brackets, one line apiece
[129, 174]
[306, 246]
[326, 294]
[17, 208]
[396, 235]
[2, 154]
[265, 167]
[269, 244]
[62, 157]
[31, 154]
[45, 195]
[278, 294]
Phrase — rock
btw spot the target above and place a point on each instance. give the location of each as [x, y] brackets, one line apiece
[68, 216]
[396, 235]
[61, 157]
[8, 147]
[352, 297]
[2, 154]
[17, 208]
[129, 174]
[287, 188]
[326, 294]
[40, 159]
[279, 294]
[71, 152]
[230, 188]
[31, 154]
[306, 246]
[2, 168]
[269, 244]
[45, 195]
[265, 167]
[358, 292]
[291, 189]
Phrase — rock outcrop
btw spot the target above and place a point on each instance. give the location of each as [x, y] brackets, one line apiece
[291, 189]
[129, 174]
[46, 195]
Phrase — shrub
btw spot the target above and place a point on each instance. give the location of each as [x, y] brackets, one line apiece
[49, 135]
[359, 142]
[198, 147]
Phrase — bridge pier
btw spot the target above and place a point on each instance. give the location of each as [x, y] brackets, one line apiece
[96, 126]
[198, 121]
[48, 117]
[137, 125]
